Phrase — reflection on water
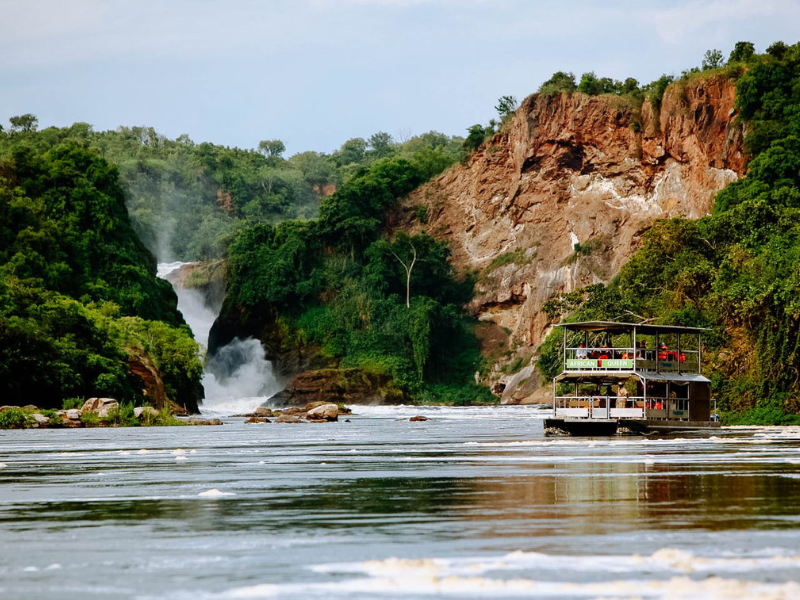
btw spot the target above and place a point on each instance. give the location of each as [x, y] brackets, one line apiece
[472, 502]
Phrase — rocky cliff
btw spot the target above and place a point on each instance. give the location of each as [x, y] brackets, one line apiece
[560, 198]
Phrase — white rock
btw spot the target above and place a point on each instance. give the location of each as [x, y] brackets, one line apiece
[141, 411]
[100, 406]
[325, 412]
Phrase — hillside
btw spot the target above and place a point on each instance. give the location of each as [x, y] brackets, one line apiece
[82, 313]
[560, 200]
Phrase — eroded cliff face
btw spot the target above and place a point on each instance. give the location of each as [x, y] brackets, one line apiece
[573, 170]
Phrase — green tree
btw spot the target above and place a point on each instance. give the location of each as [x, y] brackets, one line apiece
[742, 52]
[506, 106]
[559, 82]
[272, 148]
[23, 123]
[713, 59]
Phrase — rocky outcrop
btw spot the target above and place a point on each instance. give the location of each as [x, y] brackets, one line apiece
[152, 386]
[208, 278]
[100, 406]
[339, 386]
[561, 197]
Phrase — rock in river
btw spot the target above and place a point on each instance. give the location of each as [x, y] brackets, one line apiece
[287, 419]
[323, 412]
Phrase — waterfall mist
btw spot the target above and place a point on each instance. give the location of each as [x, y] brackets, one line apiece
[238, 377]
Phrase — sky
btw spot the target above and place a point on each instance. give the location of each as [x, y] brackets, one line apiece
[314, 73]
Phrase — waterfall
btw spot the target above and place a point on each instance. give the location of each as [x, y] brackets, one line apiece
[238, 378]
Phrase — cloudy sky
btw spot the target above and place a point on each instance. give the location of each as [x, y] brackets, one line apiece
[317, 72]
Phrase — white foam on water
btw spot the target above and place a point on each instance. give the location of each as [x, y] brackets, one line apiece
[465, 577]
[215, 493]
[238, 377]
[666, 560]
[414, 584]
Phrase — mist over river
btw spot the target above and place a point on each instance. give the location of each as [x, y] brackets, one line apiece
[475, 502]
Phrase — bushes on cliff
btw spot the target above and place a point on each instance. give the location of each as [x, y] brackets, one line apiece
[734, 271]
[70, 264]
[385, 305]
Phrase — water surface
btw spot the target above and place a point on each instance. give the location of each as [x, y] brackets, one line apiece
[475, 502]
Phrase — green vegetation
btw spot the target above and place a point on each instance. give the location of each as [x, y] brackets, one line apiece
[734, 271]
[14, 418]
[76, 284]
[477, 134]
[386, 305]
[514, 257]
[122, 416]
[188, 200]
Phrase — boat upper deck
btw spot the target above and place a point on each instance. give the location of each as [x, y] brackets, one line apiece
[604, 346]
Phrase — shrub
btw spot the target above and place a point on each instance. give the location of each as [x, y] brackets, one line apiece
[70, 403]
[14, 418]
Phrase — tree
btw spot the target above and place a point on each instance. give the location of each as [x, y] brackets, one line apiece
[352, 151]
[712, 59]
[24, 123]
[590, 84]
[506, 106]
[742, 52]
[408, 266]
[271, 148]
[380, 144]
[559, 82]
[475, 136]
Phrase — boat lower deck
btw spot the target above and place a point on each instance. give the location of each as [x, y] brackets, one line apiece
[607, 427]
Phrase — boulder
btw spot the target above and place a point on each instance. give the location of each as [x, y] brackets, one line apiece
[284, 418]
[258, 420]
[100, 406]
[204, 422]
[141, 411]
[323, 412]
[295, 411]
[30, 407]
[67, 422]
[6, 407]
[73, 414]
[418, 418]
[40, 420]
[340, 386]
[262, 411]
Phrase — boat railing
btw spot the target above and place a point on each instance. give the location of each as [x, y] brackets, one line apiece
[667, 409]
[600, 407]
[630, 359]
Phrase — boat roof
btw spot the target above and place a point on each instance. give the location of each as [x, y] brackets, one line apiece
[674, 377]
[616, 327]
[593, 376]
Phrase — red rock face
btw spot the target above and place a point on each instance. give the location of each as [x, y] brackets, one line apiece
[576, 169]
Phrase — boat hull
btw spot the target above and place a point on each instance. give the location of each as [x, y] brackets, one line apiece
[608, 427]
[582, 427]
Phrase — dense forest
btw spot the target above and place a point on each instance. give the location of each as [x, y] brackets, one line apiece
[78, 294]
[337, 286]
[735, 271]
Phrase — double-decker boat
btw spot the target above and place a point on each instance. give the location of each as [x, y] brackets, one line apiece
[627, 377]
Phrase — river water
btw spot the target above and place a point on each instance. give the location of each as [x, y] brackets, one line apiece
[475, 502]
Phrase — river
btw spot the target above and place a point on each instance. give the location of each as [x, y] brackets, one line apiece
[475, 502]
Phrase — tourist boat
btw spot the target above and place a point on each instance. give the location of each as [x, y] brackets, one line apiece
[630, 378]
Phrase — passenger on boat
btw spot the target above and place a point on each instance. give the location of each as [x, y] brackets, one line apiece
[622, 396]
